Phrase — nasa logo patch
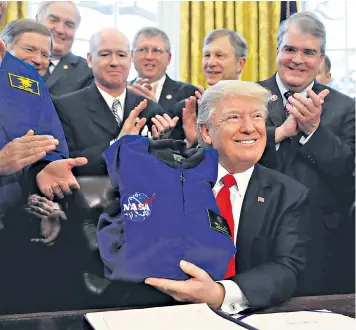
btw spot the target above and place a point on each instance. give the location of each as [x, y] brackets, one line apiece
[137, 207]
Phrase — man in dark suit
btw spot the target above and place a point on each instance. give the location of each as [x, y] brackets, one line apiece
[311, 136]
[151, 56]
[224, 57]
[268, 210]
[67, 72]
[93, 117]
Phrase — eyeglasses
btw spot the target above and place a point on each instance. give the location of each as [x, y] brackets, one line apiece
[33, 50]
[305, 54]
[145, 51]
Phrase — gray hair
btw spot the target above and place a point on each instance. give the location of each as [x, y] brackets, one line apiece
[151, 31]
[238, 42]
[43, 6]
[307, 23]
[214, 94]
[16, 28]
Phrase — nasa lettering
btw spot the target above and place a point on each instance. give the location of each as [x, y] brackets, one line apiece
[138, 207]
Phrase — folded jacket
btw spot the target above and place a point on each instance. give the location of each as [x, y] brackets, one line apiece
[168, 212]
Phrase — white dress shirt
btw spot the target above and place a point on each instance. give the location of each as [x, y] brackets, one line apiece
[303, 140]
[234, 301]
[53, 65]
[109, 99]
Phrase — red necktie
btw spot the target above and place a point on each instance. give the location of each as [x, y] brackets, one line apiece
[224, 203]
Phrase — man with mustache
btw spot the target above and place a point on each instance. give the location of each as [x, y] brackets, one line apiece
[311, 137]
[67, 72]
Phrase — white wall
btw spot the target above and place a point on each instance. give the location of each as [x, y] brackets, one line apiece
[168, 20]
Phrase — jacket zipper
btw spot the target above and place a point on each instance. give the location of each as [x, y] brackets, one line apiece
[182, 179]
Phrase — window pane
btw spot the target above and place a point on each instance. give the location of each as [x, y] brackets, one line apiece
[332, 14]
[95, 16]
[126, 16]
[338, 18]
[343, 70]
[80, 48]
[351, 24]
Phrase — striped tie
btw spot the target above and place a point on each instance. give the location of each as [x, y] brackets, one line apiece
[114, 108]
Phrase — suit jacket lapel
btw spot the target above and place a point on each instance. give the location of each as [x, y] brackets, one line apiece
[130, 103]
[275, 107]
[317, 88]
[253, 212]
[65, 64]
[169, 89]
[100, 112]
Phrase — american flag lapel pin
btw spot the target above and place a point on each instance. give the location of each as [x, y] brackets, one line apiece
[260, 199]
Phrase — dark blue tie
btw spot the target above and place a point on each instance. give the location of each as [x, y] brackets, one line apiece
[286, 95]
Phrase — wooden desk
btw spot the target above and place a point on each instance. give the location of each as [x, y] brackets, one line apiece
[74, 320]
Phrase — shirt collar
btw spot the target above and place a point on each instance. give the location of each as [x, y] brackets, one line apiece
[161, 81]
[242, 179]
[110, 99]
[282, 88]
[55, 62]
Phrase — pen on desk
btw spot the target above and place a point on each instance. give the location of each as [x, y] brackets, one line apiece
[106, 325]
[237, 321]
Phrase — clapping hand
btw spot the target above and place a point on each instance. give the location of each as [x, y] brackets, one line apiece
[141, 87]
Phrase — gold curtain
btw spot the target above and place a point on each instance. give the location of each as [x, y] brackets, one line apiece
[15, 10]
[256, 21]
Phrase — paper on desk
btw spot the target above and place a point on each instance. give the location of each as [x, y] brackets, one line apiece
[182, 317]
[314, 320]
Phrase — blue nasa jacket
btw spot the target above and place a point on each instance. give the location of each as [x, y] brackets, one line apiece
[24, 104]
[168, 212]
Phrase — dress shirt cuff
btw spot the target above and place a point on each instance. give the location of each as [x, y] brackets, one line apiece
[234, 301]
[304, 139]
[56, 206]
[277, 146]
[113, 141]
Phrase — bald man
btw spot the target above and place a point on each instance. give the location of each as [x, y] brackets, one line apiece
[92, 118]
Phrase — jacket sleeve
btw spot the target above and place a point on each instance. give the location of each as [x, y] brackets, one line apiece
[333, 154]
[110, 235]
[276, 280]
